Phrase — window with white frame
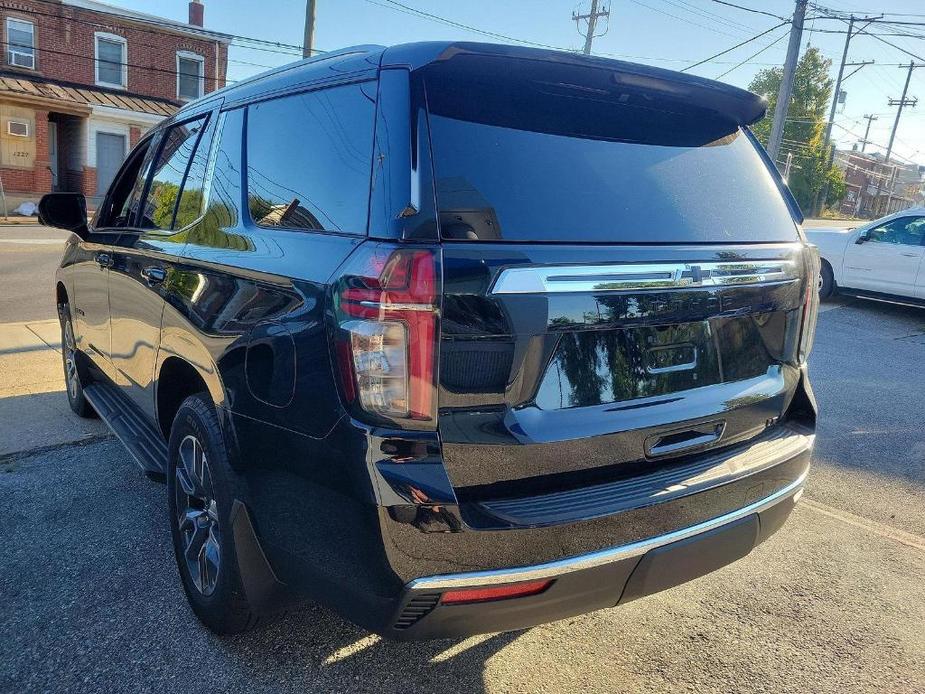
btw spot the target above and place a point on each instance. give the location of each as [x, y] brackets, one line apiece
[111, 60]
[190, 75]
[20, 43]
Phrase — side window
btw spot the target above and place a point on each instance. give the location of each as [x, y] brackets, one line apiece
[20, 43]
[111, 63]
[309, 159]
[118, 207]
[218, 228]
[128, 211]
[192, 195]
[907, 231]
[168, 175]
[190, 70]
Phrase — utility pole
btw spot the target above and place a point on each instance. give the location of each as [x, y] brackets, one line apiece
[824, 190]
[841, 70]
[786, 83]
[592, 17]
[870, 117]
[902, 101]
[308, 37]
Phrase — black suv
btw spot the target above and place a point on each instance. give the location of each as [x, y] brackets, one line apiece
[452, 337]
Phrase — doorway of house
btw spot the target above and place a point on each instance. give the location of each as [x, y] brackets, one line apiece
[66, 151]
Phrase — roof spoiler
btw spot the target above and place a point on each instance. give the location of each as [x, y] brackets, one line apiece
[739, 105]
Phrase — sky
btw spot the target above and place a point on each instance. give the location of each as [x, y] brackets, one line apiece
[668, 33]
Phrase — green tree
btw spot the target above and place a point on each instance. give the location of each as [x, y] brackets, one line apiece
[804, 129]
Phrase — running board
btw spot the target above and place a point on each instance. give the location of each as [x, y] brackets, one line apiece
[122, 416]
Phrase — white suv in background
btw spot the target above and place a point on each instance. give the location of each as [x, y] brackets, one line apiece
[880, 260]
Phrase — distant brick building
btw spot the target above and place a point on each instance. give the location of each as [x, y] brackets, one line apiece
[80, 81]
[874, 188]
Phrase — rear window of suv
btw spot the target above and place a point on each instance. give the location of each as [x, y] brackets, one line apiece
[519, 159]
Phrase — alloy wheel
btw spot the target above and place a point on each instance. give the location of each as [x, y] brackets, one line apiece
[197, 515]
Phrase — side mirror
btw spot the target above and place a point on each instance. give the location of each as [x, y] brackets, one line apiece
[862, 238]
[65, 211]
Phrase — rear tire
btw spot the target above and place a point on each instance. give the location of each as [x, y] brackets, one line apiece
[201, 488]
[75, 374]
[827, 281]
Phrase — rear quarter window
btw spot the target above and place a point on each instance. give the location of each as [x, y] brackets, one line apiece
[309, 159]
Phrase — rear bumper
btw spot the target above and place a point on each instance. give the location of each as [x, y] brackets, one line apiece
[592, 581]
[382, 535]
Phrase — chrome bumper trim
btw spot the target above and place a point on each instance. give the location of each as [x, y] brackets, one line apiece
[557, 568]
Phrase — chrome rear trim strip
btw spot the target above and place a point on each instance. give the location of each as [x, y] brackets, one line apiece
[554, 569]
[609, 278]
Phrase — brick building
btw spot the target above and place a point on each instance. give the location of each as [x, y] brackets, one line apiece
[81, 81]
[874, 188]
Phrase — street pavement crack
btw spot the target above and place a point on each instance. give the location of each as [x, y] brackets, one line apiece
[14, 456]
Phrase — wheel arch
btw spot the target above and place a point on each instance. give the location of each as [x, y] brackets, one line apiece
[177, 379]
[61, 296]
[825, 262]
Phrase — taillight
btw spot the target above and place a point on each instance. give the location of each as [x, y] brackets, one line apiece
[811, 262]
[505, 592]
[386, 306]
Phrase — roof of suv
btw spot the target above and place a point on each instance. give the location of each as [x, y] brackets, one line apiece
[740, 105]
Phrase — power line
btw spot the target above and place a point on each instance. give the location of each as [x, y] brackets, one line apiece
[707, 14]
[874, 144]
[755, 54]
[149, 68]
[205, 34]
[247, 62]
[868, 33]
[751, 9]
[889, 43]
[732, 48]
[682, 19]
[407, 9]
[835, 15]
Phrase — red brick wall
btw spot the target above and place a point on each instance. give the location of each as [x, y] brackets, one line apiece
[89, 183]
[17, 180]
[66, 48]
[42, 180]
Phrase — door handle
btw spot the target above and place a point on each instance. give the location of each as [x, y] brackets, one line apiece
[910, 255]
[154, 274]
[104, 259]
[677, 441]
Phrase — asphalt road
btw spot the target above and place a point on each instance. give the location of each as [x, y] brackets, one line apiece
[835, 602]
[28, 258]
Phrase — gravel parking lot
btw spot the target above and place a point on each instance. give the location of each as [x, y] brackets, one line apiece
[90, 599]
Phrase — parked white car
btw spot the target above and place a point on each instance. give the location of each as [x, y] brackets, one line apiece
[880, 260]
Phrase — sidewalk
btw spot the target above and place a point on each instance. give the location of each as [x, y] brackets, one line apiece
[34, 412]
